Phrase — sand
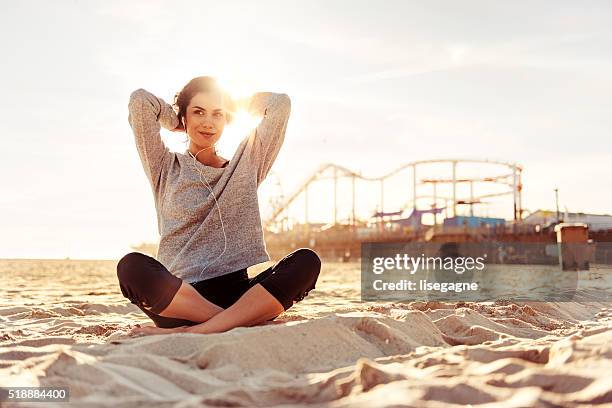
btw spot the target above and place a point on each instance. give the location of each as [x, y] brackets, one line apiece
[65, 323]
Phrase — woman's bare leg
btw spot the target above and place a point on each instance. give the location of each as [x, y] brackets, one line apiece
[189, 304]
[256, 306]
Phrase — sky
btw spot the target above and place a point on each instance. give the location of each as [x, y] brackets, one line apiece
[373, 86]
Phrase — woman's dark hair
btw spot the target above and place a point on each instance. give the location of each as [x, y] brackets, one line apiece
[201, 84]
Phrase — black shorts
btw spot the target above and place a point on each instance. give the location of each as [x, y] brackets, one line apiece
[150, 286]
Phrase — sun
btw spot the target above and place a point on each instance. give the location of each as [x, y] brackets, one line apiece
[243, 122]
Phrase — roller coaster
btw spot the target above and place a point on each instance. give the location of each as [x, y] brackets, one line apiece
[508, 175]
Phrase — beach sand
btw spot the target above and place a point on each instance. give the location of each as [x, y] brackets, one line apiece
[64, 323]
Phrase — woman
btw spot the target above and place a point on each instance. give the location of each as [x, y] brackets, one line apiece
[208, 216]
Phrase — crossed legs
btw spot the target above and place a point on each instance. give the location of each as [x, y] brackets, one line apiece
[171, 302]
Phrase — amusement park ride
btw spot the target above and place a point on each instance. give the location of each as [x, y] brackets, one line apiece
[510, 179]
[444, 196]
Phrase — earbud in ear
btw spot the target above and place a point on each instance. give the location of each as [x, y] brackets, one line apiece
[184, 124]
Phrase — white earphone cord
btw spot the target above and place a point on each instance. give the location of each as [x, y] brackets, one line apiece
[218, 210]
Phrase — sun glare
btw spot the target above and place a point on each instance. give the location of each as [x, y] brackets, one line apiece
[242, 124]
[239, 87]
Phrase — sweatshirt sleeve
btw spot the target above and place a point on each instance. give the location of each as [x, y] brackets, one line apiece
[147, 113]
[270, 133]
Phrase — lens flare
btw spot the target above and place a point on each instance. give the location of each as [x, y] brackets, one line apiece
[242, 125]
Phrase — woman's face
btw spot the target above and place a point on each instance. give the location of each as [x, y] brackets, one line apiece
[205, 118]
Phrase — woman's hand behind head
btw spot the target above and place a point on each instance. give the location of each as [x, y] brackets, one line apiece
[179, 128]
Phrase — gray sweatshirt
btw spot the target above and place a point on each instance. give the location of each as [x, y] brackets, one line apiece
[188, 220]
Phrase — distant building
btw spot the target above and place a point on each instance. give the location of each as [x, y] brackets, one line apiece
[596, 222]
[473, 222]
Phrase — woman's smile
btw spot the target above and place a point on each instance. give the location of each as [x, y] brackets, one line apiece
[207, 134]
